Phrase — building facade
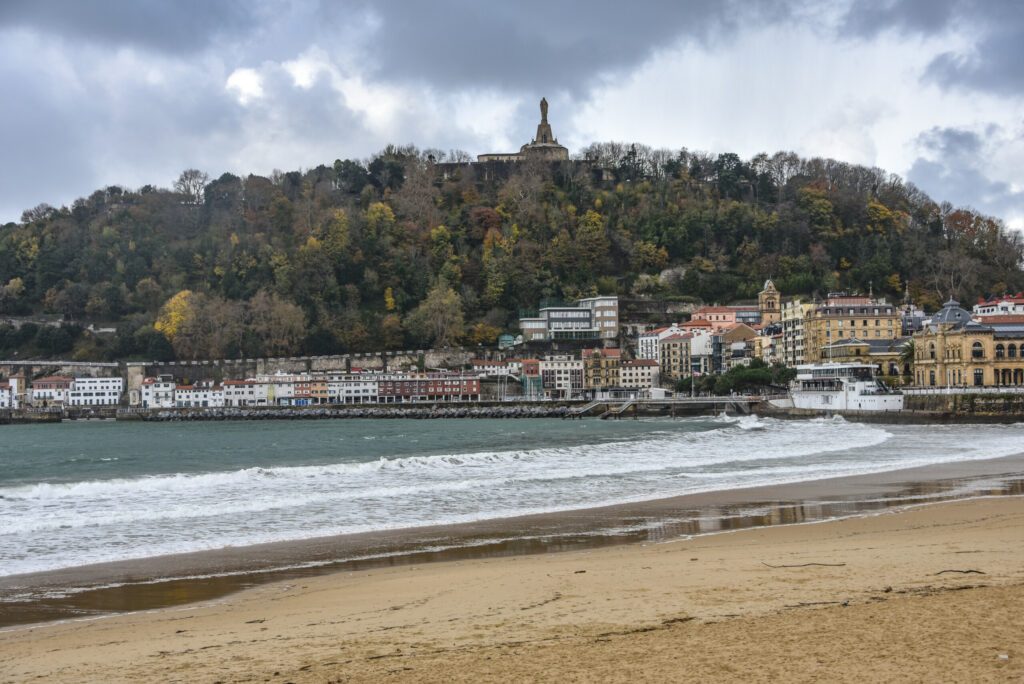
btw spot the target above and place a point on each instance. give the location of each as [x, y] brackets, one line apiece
[562, 377]
[843, 316]
[601, 368]
[675, 357]
[96, 392]
[955, 350]
[638, 374]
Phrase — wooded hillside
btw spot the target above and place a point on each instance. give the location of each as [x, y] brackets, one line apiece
[384, 254]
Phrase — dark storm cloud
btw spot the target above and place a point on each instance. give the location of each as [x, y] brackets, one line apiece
[953, 169]
[172, 27]
[532, 43]
[994, 61]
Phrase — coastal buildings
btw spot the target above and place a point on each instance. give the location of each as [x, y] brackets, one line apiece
[51, 390]
[5, 395]
[843, 316]
[242, 393]
[592, 318]
[639, 374]
[675, 357]
[157, 392]
[440, 387]
[200, 395]
[562, 377]
[96, 392]
[647, 343]
[1007, 305]
[601, 368]
[62, 390]
[956, 350]
[794, 313]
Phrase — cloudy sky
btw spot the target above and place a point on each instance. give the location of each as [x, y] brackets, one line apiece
[101, 92]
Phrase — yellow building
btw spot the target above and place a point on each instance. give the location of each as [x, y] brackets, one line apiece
[842, 317]
[955, 350]
[675, 357]
[601, 368]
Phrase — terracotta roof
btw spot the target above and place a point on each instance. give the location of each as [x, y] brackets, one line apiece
[55, 378]
[696, 324]
[996, 319]
[656, 330]
[678, 336]
[639, 362]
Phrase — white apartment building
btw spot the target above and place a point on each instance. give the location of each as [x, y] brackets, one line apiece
[647, 342]
[280, 387]
[238, 393]
[487, 367]
[1010, 305]
[702, 351]
[200, 395]
[6, 399]
[638, 374]
[96, 392]
[589, 319]
[155, 393]
[352, 389]
[562, 377]
[794, 313]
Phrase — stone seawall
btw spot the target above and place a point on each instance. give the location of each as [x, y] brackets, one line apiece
[319, 413]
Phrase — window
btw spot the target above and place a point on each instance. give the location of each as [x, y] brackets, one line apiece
[1011, 351]
[931, 378]
[1000, 351]
[931, 352]
[977, 351]
[979, 376]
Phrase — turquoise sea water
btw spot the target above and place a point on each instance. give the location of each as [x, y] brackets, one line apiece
[79, 493]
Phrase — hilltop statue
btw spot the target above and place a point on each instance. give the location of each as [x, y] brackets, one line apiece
[544, 145]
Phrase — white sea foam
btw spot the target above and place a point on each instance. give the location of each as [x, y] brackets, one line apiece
[47, 525]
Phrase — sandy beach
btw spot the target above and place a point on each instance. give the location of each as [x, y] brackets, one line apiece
[931, 593]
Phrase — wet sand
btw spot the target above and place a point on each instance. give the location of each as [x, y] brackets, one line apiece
[178, 580]
[930, 593]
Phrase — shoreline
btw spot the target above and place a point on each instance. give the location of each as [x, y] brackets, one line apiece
[182, 579]
[929, 593]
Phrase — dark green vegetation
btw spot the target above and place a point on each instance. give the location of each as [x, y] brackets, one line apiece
[389, 254]
[757, 377]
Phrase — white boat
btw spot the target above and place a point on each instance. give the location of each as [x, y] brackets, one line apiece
[842, 387]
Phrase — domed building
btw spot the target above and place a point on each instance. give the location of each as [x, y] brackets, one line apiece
[956, 349]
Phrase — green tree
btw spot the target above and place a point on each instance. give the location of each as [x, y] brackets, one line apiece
[438, 320]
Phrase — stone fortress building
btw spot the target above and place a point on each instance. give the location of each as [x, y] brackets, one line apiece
[544, 145]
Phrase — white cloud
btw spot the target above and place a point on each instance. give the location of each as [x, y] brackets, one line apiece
[245, 84]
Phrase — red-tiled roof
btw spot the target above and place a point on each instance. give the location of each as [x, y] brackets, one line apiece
[995, 319]
[639, 362]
